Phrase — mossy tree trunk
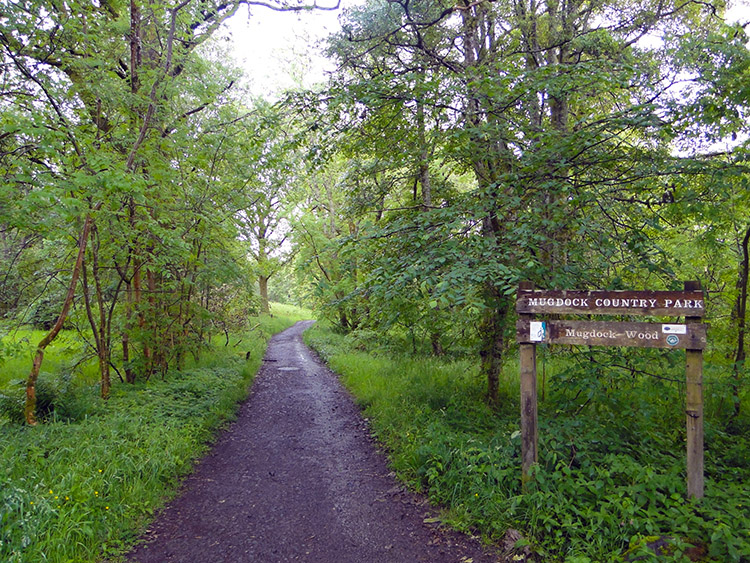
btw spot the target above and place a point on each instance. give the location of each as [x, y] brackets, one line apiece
[30, 407]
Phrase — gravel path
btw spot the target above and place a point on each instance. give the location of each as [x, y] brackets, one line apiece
[297, 477]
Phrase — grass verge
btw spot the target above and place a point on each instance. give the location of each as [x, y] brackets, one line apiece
[610, 482]
[82, 490]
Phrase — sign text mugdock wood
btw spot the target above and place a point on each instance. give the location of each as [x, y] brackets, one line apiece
[608, 333]
[689, 336]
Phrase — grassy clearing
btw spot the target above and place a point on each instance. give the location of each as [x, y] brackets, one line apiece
[82, 489]
[610, 482]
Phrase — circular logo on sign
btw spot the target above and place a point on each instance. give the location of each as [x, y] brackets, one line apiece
[673, 340]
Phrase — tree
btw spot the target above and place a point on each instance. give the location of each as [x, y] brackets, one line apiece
[565, 115]
[267, 173]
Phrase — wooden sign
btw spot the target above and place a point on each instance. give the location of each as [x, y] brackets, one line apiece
[656, 303]
[607, 333]
[689, 336]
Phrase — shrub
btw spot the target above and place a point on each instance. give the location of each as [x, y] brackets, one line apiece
[56, 398]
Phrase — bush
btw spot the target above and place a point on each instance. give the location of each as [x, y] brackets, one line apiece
[56, 398]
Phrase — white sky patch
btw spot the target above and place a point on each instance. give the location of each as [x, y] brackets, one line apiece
[282, 50]
[738, 11]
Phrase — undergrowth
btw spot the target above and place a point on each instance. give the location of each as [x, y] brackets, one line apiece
[79, 488]
[610, 485]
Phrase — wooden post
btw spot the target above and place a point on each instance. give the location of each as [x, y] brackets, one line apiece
[529, 431]
[694, 411]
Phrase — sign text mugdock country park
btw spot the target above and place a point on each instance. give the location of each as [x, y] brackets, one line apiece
[689, 336]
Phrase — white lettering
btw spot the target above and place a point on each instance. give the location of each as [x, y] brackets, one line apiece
[589, 334]
[615, 302]
[630, 333]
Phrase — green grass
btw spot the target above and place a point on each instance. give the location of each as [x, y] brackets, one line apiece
[611, 473]
[291, 312]
[82, 490]
[17, 349]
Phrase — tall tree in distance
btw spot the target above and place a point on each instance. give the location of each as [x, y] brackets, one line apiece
[268, 173]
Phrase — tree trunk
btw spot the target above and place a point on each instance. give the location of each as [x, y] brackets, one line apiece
[36, 366]
[492, 344]
[103, 340]
[98, 330]
[437, 345]
[263, 289]
[740, 317]
[154, 345]
[423, 164]
[129, 372]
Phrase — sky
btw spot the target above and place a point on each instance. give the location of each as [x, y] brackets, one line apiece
[739, 10]
[282, 49]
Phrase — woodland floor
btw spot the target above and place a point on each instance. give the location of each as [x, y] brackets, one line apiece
[297, 477]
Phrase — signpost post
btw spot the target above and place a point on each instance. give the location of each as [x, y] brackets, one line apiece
[529, 432]
[689, 336]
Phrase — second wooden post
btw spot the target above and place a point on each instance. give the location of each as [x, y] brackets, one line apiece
[529, 430]
[694, 410]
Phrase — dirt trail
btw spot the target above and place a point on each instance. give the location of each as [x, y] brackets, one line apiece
[298, 478]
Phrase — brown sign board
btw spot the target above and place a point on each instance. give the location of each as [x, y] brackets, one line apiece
[691, 336]
[656, 303]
